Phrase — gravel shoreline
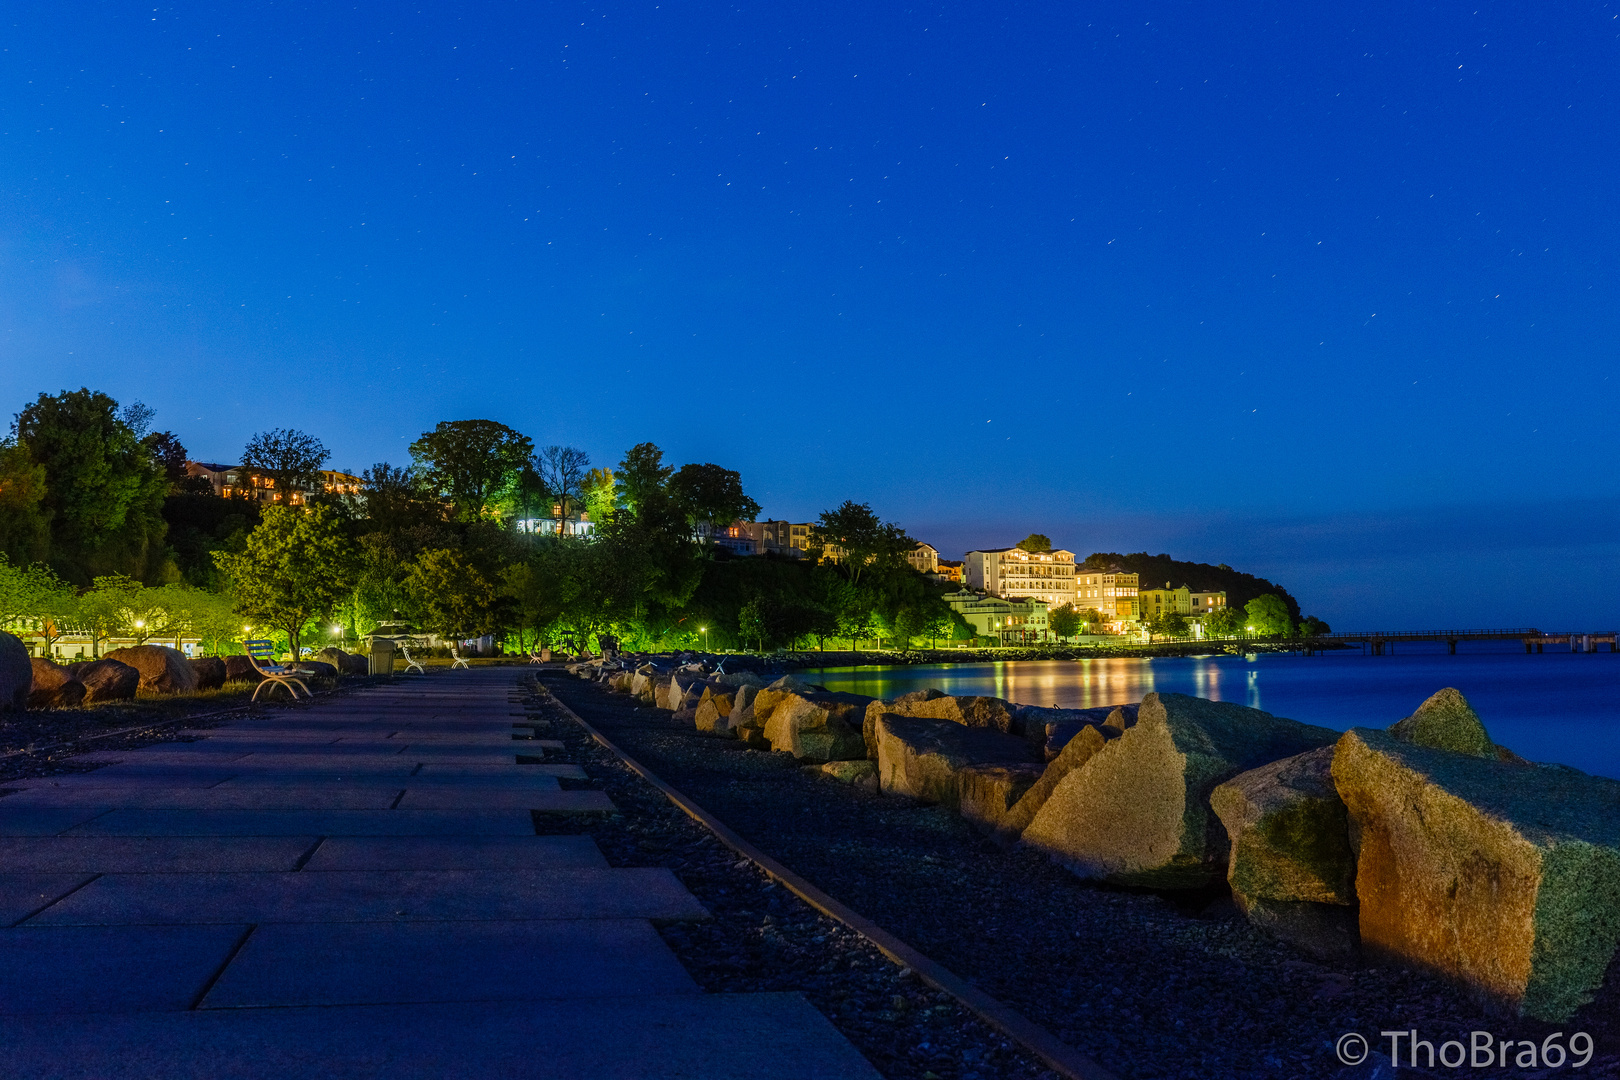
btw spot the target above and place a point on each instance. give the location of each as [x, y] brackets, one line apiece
[764, 938]
[1148, 986]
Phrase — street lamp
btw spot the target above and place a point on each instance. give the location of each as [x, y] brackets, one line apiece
[705, 631]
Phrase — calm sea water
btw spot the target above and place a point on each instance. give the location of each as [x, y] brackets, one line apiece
[1556, 706]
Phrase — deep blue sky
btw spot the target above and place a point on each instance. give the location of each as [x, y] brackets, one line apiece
[1327, 294]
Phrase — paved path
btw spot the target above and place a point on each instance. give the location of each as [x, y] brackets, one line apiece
[355, 888]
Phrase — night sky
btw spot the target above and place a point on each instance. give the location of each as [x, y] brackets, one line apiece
[1327, 294]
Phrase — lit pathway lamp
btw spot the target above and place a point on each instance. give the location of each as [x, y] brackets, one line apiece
[704, 630]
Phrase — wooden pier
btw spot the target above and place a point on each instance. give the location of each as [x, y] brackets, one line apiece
[1377, 642]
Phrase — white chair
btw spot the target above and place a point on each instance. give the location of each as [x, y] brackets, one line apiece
[262, 655]
[410, 663]
[459, 662]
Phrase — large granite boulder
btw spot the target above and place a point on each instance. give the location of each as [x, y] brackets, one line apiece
[163, 670]
[106, 680]
[987, 793]
[925, 758]
[54, 687]
[619, 682]
[643, 684]
[1138, 813]
[713, 715]
[1503, 876]
[861, 773]
[16, 673]
[738, 679]
[240, 668]
[346, 663]
[318, 668]
[1446, 722]
[816, 726]
[1291, 868]
[1076, 752]
[1051, 729]
[209, 670]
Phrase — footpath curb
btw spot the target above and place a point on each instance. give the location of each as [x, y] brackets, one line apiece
[1056, 1054]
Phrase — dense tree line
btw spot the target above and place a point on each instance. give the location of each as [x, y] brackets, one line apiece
[103, 534]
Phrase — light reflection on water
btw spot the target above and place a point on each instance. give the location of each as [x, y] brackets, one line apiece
[1554, 707]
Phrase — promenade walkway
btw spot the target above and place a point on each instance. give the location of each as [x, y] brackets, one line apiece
[355, 888]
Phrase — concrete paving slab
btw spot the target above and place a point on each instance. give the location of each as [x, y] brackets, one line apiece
[379, 964]
[470, 772]
[36, 821]
[298, 823]
[551, 802]
[678, 1037]
[452, 853]
[508, 778]
[95, 969]
[263, 797]
[374, 896]
[154, 855]
[22, 894]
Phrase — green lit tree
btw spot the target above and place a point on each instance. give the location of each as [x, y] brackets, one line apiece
[1223, 622]
[25, 531]
[1036, 542]
[1267, 615]
[452, 596]
[1064, 622]
[297, 565]
[102, 494]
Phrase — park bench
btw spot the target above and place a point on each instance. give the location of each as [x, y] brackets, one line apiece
[262, 655]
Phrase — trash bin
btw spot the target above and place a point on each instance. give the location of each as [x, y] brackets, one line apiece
[381, 660]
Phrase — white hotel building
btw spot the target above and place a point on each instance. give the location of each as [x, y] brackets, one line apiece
[1015, 574]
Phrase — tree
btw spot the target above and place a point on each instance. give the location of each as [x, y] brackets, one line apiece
[711, 496]
[530, 589]
[911, 622]
[600, 494]
[1223, 621]
[26, 591]
[297, 565]
[454, 599]
[1064, 621]
[1267, 615]
[752, 622]
[562, 469]
[1036, 542]
[1311, 626]
[102, 495]
[470, 462]
[1093, 619]
[292, 460]
[864, 539]
[25, 531]
[642, 477]
[1173, 624]
[393, 499]
[104, 611]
